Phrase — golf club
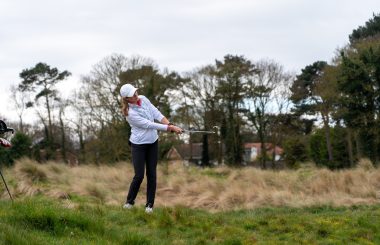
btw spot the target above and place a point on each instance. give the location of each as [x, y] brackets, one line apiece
[191, 131]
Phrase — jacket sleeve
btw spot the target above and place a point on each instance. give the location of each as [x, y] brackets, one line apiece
[157, 115]
[140, 122]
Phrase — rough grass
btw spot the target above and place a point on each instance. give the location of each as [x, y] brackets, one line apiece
[58, 204]
[213, 189]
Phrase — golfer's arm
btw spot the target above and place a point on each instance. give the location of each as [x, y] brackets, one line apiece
[141, 122]
[165, 121]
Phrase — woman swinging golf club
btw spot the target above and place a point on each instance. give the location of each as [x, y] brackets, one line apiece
[140, 114]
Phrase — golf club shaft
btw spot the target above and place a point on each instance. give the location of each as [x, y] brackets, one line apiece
[6, 186]
[198, 131]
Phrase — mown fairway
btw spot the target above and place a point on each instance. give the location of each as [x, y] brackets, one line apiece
[45, 221]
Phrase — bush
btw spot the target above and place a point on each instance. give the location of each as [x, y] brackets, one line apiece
[5, 157]
[318, 148]
[294, 151]
[21, 145]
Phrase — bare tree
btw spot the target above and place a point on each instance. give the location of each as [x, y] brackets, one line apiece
[100, 88]
[200, 100]
[282, 105]
[271, 76]
[20, 104]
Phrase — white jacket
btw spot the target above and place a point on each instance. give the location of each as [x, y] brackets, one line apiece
[141, 119]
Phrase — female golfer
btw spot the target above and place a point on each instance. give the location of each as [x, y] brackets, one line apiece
[140, 114]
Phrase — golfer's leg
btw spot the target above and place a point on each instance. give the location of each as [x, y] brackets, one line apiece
[138, 160]
[151, 172]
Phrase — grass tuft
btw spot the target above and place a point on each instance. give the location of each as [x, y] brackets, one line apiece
[365, 164]
[32, 171]
[48, 217]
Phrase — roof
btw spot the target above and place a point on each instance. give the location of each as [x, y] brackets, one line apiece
[184, 150]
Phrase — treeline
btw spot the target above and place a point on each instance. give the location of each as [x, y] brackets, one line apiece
[329, 113]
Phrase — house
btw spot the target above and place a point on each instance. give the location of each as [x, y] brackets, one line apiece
[188, 152]
[253, 150]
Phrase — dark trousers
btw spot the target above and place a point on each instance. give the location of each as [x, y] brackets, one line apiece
[144, 154]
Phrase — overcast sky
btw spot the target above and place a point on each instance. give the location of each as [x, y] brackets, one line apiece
[74, 35]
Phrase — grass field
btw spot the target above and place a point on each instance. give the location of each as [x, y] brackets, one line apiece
[58, 204]
[40, 220]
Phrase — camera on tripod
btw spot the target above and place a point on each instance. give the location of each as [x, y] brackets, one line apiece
[5, 143]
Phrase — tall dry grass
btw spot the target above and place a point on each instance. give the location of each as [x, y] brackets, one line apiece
[220, 188]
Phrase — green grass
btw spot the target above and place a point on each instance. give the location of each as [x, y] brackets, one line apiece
[39, 220]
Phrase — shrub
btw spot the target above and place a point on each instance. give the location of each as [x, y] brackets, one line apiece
[294, 151]
[21, 144]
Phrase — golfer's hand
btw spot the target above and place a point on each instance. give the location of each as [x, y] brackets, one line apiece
[175, 129]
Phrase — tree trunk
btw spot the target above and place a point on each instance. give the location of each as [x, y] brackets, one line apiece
[325, 119]
[191, 148]
[376, 143]
[81, 146]
[205, 153]
[358, 145]
[21, 124]
[262, 154]
[349, 143]
[63, 136]
[263, 151]
[274, 157]
[50, 137]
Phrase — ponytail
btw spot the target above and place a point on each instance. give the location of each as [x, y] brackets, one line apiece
[124, 106]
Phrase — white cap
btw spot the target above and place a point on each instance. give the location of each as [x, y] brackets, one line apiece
[127, 90]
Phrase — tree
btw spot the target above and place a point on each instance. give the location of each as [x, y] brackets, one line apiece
[270, 75]
[20, 105]
[77, 123]
[280, 122]
[199, 99]
[41, 81]
[318, 150]
[371, 29]
[326, 89]
[303, 88]
[314, 92]
[234, 74]
[62, 126]
[359, 84]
